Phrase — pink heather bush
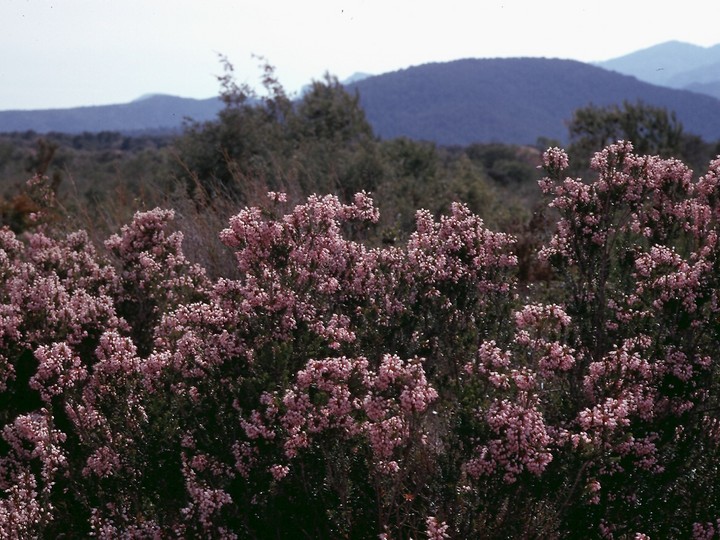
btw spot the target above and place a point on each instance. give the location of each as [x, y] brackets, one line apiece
[340, 390]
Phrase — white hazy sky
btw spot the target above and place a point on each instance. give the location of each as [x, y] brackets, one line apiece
[67, 53]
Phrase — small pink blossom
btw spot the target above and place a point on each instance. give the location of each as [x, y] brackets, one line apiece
[436, 530]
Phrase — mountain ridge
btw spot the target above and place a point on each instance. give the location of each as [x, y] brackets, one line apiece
[675, 64]
[514, 100]
[148, 112]
[510, 100]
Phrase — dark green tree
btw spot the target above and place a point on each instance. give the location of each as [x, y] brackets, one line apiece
[319, 143]
[652, 130]
[239, 149]
[334, 149]
[328, 112]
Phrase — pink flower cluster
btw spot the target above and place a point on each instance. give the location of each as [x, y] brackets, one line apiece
[521, 441]
[349, 398]
[436, 530]
[706, 531]
[29, 472]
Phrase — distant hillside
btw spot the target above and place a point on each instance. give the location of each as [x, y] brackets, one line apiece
[662, 63]
[705, 74]
[711, 88]
[513, 100]
[149, 113]
[673, 64]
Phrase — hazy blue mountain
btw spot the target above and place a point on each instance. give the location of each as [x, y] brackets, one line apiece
[674, 64]
[707, 73]
[149, 112]
[660, 63]
[709, 88]
[513, 100]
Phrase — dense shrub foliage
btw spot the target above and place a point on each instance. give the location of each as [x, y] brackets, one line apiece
[331, 388]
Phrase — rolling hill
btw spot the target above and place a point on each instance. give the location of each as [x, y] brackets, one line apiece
[513, 100]
[148, 113]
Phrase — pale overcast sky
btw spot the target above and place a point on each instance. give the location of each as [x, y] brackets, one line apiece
[66, 53]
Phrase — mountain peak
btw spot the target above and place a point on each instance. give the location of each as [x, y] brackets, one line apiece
[664, 63]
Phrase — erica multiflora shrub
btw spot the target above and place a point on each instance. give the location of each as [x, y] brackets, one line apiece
[637, 249]
[335, 389]
[319, 358]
